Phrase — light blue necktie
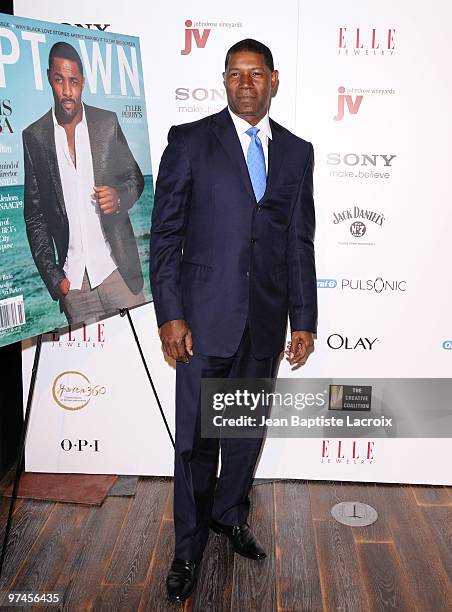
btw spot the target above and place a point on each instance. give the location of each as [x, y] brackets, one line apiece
[256, 163]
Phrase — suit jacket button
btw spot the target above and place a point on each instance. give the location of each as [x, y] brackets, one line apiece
[253, 240]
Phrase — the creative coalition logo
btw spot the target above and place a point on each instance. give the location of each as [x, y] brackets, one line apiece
[339, 342]
[360, 165]
[447, 345]
[195, 37]
[73, 390]
[358, 220]
[347, 451]
[347, 100]
[376, 285]
[366, 41]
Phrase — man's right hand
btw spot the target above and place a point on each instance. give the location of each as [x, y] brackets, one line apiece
[176, 339]
[64, 286]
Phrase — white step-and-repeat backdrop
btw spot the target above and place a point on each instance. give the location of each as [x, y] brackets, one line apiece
[371, 88]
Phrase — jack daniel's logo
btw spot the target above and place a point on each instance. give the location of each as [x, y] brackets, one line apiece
[351, 214]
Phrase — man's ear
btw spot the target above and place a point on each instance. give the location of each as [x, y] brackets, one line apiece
[275, 78]
[48, 75]
[224, 77]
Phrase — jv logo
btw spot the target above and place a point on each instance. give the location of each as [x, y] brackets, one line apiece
[195, 34]
[342, 100]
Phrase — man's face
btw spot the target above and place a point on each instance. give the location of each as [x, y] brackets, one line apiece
[249, 85]
[67, 84]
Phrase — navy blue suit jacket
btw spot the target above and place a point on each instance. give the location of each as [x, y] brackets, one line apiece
[218, 257]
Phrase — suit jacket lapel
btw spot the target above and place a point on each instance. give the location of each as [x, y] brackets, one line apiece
[224, 129]
[52, 161]
[96, 147]
[275, 157]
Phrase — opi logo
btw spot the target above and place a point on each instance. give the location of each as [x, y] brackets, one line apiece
[195, 34]
[342, 100]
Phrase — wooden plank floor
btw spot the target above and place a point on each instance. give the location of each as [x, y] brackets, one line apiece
[115, 558]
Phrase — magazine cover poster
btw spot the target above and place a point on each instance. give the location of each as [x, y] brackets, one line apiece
[76, 187]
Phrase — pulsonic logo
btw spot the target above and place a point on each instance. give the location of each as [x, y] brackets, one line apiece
[194, 34]
[377, 285]
[353, 105]
[366, 41]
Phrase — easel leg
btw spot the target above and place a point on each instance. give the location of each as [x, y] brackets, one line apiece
[20, 456]
[126, 311]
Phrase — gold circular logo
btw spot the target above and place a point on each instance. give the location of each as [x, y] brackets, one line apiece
[73, 390]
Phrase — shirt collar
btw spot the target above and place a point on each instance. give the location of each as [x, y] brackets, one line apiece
[242, 126]
[57, 125]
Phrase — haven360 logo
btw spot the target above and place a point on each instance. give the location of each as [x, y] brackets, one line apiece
[73, 390]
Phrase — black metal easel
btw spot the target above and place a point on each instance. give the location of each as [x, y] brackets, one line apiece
[126, 312]
[20, 458]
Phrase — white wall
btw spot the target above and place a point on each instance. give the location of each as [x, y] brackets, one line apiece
[406, 326]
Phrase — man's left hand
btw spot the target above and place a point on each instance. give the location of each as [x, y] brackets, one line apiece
[108, 199]
[300, 347]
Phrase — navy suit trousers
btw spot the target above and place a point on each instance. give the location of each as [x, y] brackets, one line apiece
[198, 495]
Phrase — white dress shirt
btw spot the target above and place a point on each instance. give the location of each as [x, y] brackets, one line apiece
[88, 247]
[264, 133]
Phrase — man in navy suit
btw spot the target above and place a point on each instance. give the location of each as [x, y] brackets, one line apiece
[232, 256]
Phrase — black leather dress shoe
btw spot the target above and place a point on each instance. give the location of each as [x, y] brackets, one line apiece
[242, 538]
[181, 579]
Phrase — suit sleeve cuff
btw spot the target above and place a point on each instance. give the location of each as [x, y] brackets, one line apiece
[303, 321]
[168, 311]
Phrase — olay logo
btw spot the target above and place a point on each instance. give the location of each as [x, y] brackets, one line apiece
[194, 34]
[353, 105]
